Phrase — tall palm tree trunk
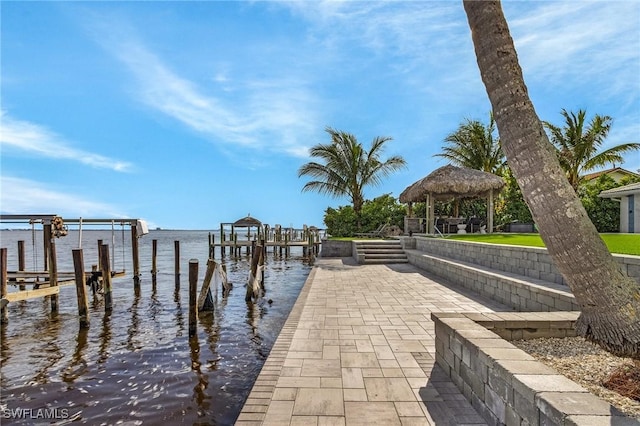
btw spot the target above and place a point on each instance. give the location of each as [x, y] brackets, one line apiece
[609, 300]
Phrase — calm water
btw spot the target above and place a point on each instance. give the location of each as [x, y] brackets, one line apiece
[137, 365]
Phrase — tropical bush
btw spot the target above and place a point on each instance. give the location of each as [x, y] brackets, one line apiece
[386, 209]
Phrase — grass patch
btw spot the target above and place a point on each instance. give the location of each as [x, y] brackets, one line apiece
[617, 243]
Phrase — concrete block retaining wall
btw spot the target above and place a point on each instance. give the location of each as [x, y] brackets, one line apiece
[336, 248]
[533, 262]
[506, 385]
[519, 292]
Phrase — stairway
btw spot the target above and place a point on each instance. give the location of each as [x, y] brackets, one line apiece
[380, 251]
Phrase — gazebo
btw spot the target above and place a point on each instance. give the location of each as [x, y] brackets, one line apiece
[451, 182]
[247, 222]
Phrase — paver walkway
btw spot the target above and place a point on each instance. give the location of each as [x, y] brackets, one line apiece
[358, 349]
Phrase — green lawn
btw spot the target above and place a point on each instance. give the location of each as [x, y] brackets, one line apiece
[617, 243]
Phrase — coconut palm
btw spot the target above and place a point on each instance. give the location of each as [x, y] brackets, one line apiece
[609, 300]
[578, 142]
[474, 146]
[346, 168]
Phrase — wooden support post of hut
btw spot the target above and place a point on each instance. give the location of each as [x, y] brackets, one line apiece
[53, 266]
[4, 312]
[21, 263]
[106, 277]
[193, 297]
[81, 294]
[176, 262]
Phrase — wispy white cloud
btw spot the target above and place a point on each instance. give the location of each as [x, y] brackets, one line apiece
[41, 141]
[584, 41]
[22, 196]
[254, 118]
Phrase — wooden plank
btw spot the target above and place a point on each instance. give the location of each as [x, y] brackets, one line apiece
[31, 294]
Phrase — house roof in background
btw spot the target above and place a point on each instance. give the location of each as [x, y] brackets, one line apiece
[621, 191]
[620, 170]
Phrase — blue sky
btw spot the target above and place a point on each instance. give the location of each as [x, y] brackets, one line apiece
[188, 114]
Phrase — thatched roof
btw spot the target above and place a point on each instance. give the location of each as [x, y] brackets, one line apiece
[452, 182]
[247, 222]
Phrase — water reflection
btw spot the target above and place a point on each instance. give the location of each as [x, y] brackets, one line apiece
[132, 331]
[199, 394]
[179, 316]
[105, 338]
[48, 351]
[77, 367]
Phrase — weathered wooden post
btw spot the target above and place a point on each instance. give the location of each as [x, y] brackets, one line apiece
[154, 258]
[222, 240]
[21, 262]
[286, 244]
[81, 294]
[105, 265]
[212, 246]
[236, 252]
[261, 265]
[53, 265]
[99, 259]
[176, 263]
[135, 254]
[252, 289]
[263, 243]
[205, 301]
[193, 296]
[95, 280]
[4, 314]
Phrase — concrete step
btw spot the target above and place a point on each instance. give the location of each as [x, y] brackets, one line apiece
[384, 261]
[381, 252]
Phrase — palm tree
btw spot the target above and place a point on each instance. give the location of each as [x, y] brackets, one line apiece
[347, 168]
[473, 145]
[577, 144]
[609, 300]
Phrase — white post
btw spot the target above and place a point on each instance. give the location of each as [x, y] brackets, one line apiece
[490, 212]
[432, 214]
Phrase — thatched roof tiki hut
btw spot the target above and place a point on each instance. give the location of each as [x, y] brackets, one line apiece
[451, 182]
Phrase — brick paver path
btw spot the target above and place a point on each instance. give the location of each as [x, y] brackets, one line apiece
[358, 349]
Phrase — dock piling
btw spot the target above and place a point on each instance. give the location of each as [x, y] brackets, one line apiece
[4, 314]
[21, 262]
[106, 277]
[176, 246]
[81, 294]
[136, 257]
[154, 257]
[53, 265]
[193, 289]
